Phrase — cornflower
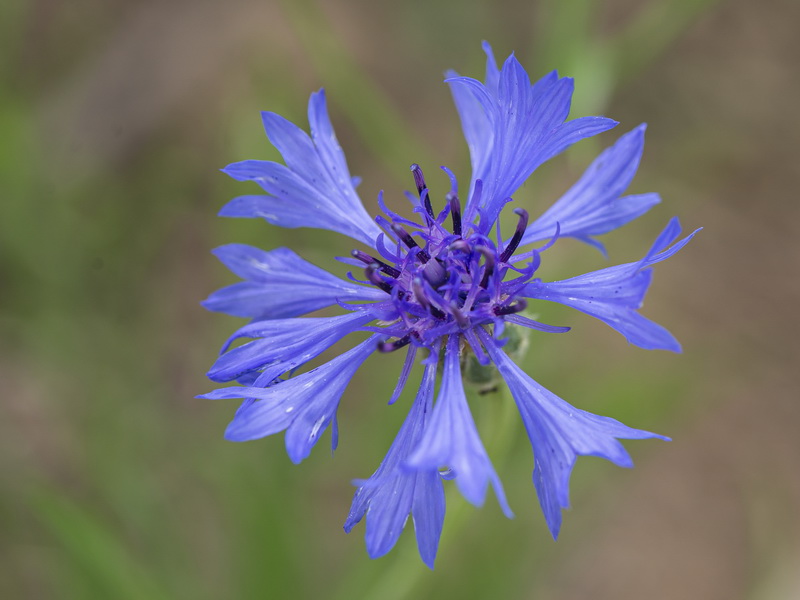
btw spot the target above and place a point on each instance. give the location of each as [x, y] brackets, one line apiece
[446, 287]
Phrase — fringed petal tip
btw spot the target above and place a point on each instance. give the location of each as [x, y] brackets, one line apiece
[559, 433]
[615, 294]
[248, 207]
[452, 439]
[595, 204]
[523, 127]
[303, 406]
[313, 188]
[388, 497]
[233, 434]
[319, 97]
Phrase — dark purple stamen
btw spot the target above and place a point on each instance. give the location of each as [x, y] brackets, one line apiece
[511, 309]
[517, 237]
[395, 345]
[455, 212]
[419, 295]
[369, 260]
[488, 266]
[459, 245]
[372, 275]
[419, 180]
[409, 241]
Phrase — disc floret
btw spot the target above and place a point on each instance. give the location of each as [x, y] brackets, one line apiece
[444, 281]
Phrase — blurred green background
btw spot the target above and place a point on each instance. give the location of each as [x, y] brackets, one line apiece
[115, 118]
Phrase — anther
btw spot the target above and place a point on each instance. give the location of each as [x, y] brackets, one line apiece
[522, 224]
[369, 260]
[395, 345]
[372, 275]
[422, 299]
[455, 212]
[419, 293]
[409, 241]
[510, 309]
[419, 181]
[488, 265]
[459, 245]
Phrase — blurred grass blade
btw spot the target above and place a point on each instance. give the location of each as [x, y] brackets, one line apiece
[651, 32]
[565, 41]
[381, 126]
[94, 547]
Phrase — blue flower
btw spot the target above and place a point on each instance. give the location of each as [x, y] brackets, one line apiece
[442, 286]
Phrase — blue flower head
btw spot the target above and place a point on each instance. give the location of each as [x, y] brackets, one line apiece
[441, 286]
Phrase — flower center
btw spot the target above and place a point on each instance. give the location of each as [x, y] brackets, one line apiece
[441, 280]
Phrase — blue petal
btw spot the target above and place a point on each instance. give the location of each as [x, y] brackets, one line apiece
[615, 293]
[285, 345]
[428, 514]
[475, 121]
[391, 493]
[593, 205]
[295, 146]
[280, 284]
[411, 354]
[559, 433]
[313, 189]
[527, 128]
[492, 72]
[451, 438]
[285, 213]
[303, 406]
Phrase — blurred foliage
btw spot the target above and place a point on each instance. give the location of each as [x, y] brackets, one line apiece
[115, 118]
